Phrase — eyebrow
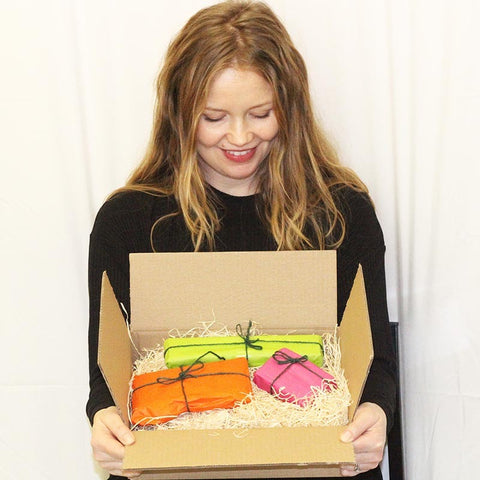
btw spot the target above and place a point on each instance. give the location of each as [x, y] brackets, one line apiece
[270, 104]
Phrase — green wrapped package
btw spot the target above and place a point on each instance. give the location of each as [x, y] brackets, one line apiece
[257, 349]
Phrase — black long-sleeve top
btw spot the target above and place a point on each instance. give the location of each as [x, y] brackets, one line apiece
[123, 226]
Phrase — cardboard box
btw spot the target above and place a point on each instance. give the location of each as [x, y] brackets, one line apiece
[281, 291]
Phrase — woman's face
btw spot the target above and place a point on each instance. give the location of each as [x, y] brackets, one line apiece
[236, 131]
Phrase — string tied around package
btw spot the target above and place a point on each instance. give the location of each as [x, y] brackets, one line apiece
[257, 349]
[249, 342]
[183, 375]
[283, 358]
[264, 410]
[189, 373]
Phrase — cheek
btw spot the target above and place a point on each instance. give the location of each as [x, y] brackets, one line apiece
[207, 136]
[269, 132]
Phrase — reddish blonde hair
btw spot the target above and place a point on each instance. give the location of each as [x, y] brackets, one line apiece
[295, 181]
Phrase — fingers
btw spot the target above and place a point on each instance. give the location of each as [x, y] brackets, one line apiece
[354, 470]
[111, 421]
[133, 474]
[367, 417]
[109, 437]
[367, 431]
[350, 470]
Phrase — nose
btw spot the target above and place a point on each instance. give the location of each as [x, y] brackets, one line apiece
[239, 133]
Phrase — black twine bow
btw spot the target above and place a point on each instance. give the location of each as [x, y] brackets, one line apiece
[187, 373]
[283, 358]
[246, 338]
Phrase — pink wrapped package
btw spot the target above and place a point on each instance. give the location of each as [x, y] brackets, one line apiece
[290, 376]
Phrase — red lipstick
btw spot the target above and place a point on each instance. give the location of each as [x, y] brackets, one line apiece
[239, 156]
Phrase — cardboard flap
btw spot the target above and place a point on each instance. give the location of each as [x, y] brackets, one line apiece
[114, 352]
[182, 289]
[356, 341]
[293, 446]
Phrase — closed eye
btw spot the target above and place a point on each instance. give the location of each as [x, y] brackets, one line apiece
[212, 119]
[263, 115]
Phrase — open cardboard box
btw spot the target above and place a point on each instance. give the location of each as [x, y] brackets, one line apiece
[283, 292]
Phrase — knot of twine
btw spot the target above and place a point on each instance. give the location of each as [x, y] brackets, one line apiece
[246, 338]
[283, 358]
[184, 374]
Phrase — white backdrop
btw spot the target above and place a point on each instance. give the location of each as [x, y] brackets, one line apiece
[396, 84]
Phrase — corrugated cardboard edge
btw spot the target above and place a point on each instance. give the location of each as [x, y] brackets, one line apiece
[249, 451]
[287, 471]
[356, 341]
[114, 352]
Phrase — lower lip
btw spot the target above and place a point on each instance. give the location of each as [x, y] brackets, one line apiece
[240, 158]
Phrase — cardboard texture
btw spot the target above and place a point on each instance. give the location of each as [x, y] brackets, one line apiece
[114, 348]
[214, 450]
[356, 341]
[284, 292]
[287, 471]
[271, 288]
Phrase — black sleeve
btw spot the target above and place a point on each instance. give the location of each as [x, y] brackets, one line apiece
[122, 226]
[364, 245]
[380, 387]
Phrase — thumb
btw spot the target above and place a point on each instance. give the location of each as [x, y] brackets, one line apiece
[118, 428]
[357, 427]
[347, 436]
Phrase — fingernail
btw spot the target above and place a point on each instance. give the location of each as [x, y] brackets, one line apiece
[128, 439]
[346, 436]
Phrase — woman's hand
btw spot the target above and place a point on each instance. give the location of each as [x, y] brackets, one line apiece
[109, 438]
[368, 432]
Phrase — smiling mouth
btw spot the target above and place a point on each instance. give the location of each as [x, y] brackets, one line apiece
[240, 155]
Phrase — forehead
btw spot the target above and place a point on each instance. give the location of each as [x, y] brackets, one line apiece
[242, 86]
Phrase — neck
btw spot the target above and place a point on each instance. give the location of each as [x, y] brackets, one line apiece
[236, 188]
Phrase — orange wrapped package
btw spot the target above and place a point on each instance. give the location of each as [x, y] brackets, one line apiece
[158, 397]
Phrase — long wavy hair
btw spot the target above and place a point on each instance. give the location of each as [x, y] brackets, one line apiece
[296, 181]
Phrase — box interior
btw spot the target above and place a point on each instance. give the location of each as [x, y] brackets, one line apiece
[284, 292]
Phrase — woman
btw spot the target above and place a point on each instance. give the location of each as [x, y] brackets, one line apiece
[237, 162]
